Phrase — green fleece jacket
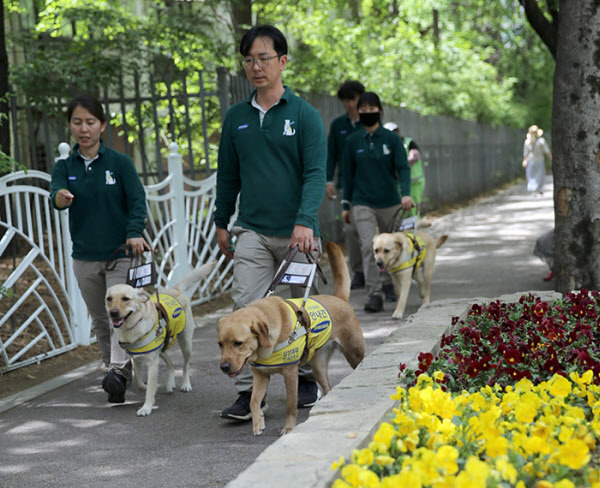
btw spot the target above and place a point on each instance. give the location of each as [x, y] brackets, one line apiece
[109, 204]
[278, 169]
[339, 130]
[374, 164]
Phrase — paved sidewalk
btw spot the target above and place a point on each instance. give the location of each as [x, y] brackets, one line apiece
[70, 436]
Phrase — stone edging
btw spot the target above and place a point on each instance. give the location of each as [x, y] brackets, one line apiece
[348, 416]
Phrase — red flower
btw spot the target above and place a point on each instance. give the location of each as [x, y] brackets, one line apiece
[540, 309]
[512, 356]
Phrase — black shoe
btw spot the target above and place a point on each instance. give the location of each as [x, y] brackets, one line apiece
[389, 292]
[375, 304]
[114, 384]
[358, 281]
[308, 393]
[240, 410]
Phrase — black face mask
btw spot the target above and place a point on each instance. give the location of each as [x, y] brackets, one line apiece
[369, 119]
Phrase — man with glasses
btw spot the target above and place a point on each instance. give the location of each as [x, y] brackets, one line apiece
[273, 155]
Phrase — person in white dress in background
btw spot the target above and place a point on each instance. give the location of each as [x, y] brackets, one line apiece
[534, 149]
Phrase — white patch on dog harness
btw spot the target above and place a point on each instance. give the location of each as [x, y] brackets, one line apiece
[291, 350]
[156, 337]
[416, 256]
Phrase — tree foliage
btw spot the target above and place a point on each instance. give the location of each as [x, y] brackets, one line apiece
[470, 59]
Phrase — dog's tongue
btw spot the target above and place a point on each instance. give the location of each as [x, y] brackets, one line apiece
[381, 269]
[118, 322]
[233, 375]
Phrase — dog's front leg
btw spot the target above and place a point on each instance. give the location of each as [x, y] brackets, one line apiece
[138, 373]
[150, 389]
[290, 376]
[402, 284]
[259, 390]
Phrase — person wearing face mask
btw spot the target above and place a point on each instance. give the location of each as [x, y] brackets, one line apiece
[374, 165]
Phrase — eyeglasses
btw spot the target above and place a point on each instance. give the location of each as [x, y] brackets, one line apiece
[262, 62]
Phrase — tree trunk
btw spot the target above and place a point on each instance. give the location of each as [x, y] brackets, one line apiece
[4, 88]
[576, 146]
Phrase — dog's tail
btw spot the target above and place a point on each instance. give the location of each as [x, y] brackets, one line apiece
[440, 241]
[339, 268]
[195, 276]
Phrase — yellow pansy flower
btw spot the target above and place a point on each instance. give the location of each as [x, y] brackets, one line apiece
[564, 484]
[341, 484]
[438, 376]
[400, 393]
[544, 484]
[383, 460]
[385, 434]
[506, 470]
[337, 464]
[496, 446]
[559, 386]
[368, 479]
[574, 453]
[445, 459]
[363, 457]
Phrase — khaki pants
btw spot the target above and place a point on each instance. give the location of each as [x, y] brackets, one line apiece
[369, 222]
[256, 260]
[94, 280]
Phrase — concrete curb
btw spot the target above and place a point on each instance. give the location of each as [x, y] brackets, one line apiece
[348, 416]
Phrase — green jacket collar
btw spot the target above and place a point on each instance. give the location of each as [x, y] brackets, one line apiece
[287, 94]
[378, 133]
[101, 149]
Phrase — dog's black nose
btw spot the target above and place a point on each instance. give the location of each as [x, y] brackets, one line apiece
[114, 313]
[379, 262]
[226, 367]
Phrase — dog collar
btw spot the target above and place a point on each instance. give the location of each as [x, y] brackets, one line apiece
[417, 249]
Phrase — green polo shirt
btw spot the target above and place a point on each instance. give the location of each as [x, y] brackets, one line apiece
[277, 168]
[339, 130]
[109, 204]
[374, 164]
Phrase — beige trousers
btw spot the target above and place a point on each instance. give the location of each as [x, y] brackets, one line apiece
[369, 222]
[94, 280]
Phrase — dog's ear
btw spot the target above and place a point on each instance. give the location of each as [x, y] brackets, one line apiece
[143, 295]
[399, 239]
[261, 329]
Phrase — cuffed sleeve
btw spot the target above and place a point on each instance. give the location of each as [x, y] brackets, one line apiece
[228, 177]
[314, 159]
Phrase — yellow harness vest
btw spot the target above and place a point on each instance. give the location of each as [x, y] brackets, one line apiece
[291, 351]
[156, 337]
[417, 254]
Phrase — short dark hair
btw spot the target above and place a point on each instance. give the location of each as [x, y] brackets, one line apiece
[279, 42]
[90, 103]
[349, 89]
[370, 98]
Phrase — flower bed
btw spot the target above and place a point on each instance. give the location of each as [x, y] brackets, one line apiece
[517, 404]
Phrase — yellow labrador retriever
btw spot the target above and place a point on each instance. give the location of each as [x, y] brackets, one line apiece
[264, 334]
[407, 256]
[141, 326]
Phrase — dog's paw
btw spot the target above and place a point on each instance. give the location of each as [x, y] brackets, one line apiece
[186, 387]
[286, 430]
[141, 386]
[258, 430]
[397, 315]
[170, 387]
[144, 411]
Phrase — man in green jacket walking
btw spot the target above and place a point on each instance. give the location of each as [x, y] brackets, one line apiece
[339, 130]
[272, 154]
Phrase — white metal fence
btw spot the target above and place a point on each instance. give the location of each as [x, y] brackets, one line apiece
[45, 314]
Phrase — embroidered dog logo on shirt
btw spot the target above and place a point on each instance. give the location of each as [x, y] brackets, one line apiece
[386, 150]
[287, 128]
[110, 180]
